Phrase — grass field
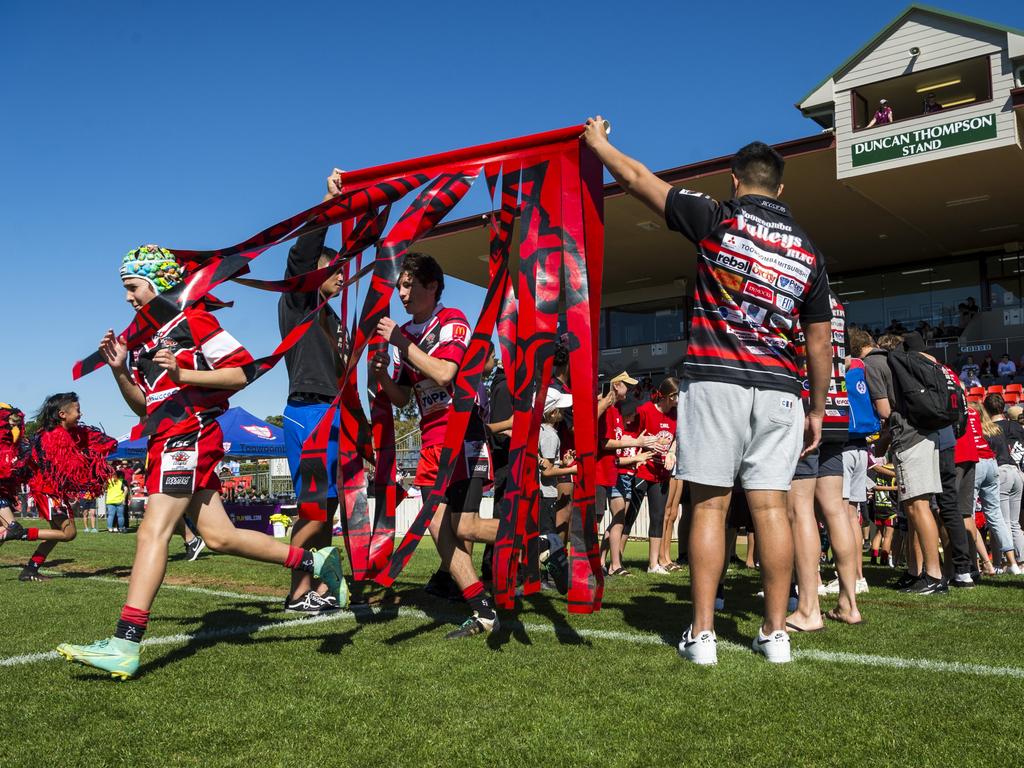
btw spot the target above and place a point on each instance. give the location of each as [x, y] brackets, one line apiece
[229, 679]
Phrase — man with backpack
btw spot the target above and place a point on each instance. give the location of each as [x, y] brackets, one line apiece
[905, 393]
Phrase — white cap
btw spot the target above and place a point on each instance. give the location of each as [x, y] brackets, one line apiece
[555, 400]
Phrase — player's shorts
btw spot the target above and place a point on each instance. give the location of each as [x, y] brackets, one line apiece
[728, 432]
[49, 509]
[884, 517]
[855, 474]
[184, 464]
[300, 419]
[472, 470]
[623, 488]
[917, 469]
[827, 461]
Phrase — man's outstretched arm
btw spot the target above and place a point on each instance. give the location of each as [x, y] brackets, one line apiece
[635, 177]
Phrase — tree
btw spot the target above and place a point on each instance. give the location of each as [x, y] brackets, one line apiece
[277, 421]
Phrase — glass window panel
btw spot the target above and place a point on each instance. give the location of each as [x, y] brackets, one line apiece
[648, 322]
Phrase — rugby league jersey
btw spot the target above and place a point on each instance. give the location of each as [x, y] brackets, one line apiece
[445, 335]
[757, 274]
[199, 344]
[836, 423]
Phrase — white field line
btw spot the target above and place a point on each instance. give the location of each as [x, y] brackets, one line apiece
[636, 638]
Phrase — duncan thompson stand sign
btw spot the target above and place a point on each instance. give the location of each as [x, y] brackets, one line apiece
[921, 140]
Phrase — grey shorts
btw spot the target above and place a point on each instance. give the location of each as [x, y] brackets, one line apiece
[917, 469]
[855, 474]
[727, 433]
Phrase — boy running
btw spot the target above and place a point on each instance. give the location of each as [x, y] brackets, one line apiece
[179, 375]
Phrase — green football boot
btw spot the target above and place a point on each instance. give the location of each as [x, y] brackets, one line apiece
[115, 655]
[327, 568]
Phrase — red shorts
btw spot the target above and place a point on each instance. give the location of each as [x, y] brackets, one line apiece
[49, 509]
[473, 462]
[184, 464]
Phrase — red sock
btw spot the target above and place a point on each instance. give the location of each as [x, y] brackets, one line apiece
[294, 557]
[135, 616]
[31, 534]
[37, 560]
[874, 553]
[473, 590]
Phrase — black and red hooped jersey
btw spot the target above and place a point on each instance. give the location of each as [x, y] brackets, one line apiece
[836, 423]
[199, 344]
[445, 335]
[757, 274]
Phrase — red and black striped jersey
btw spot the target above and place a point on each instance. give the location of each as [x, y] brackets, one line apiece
[445, 335]
[757, 274]
[199, 344]
[835, 425]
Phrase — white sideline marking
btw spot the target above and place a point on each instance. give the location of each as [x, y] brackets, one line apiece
[637, 638]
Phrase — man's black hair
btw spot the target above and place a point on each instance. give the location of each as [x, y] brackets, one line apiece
[759, 166]
[327, 254]
[424, 268]
[994, 404]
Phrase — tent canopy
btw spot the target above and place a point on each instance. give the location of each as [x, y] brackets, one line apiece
[245, 436]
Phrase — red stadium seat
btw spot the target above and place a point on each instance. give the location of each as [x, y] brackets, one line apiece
[994, 389]
[976, 391]
[1018, 388]
[1011, 398]
[974, 398]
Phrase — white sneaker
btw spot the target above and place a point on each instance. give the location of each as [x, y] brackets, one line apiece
[702, 649]
[1014, 569]
[657, 569]
[832, 588]
[774, 647]
[862, 586]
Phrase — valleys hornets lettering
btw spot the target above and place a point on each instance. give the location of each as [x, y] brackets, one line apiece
[836, 423]
[758, 275]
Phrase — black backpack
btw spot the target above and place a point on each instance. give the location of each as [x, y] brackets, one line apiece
[928, 396]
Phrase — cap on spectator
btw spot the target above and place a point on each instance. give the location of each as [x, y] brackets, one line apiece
[912, 342]
[625, 377]
[883, 101]
[556, 400]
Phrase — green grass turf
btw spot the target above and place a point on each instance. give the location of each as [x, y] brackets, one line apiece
[602, 690]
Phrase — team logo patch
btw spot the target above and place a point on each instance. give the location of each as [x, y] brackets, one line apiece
[861, 387]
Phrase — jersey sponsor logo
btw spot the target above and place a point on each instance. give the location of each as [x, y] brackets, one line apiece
[790, 286]
[156, 397]
[728, 280]
[838, 337]
[753, 313]
[838, 324]
[781, 322]
[771, 205]
[731, 315]
[766, 258]
[180, 442]
[843, 402]
[785, 303]
[691, 193]
[759, 291]
[747, 336]
[180, 458]
[833, 412]
[431, 398]
[456, 332]
[767, 232]
[734, 263]
[776, 341]
[176, 480]
[768, 275]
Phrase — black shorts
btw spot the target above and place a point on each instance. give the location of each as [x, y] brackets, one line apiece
[827, 461]
[465, 495]
[739, 511]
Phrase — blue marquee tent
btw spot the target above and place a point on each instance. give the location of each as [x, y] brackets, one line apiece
[244, 436]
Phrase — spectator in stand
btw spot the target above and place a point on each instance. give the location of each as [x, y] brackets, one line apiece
[1009, 453]
[970, 372]
[883, 115]
[1006, 369]
[930, 104]
[988, 367]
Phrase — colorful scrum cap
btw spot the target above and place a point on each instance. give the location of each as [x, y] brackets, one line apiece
[155, 265]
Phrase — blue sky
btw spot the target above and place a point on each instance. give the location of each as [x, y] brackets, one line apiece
[196, 124]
